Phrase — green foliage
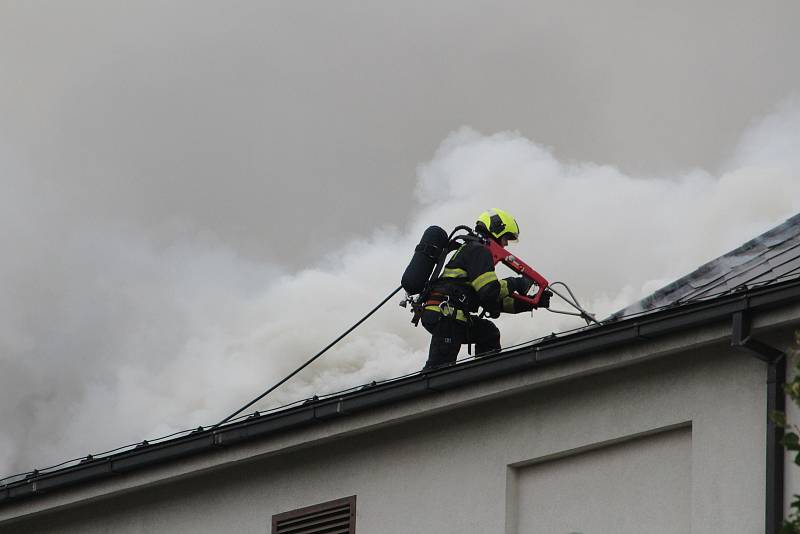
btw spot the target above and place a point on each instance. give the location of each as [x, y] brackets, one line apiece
[791, 437]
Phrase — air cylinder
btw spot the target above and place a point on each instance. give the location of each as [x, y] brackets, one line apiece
[426, 254]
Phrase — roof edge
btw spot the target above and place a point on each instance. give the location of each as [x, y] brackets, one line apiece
[549, 351]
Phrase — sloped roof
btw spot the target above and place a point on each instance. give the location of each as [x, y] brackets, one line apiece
[771, 257]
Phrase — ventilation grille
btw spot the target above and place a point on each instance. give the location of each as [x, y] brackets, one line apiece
[334, 517]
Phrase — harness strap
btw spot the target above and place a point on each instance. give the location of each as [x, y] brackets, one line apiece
[447, 311]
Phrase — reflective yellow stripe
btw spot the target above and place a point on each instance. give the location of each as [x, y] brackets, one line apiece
[460, 315]
[454, 273]
[482, 280]
[508, 305]
[503, 288]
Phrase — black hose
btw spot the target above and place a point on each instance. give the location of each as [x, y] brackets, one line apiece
[317, 355]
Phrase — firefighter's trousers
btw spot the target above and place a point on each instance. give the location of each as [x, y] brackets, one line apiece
[449, 333]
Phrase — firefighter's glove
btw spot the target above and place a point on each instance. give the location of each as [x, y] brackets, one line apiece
[519, 284]
[544, 301]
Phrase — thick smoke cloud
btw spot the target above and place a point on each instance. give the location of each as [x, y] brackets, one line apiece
[109, 335]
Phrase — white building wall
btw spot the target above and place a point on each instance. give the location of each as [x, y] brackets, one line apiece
[614, 488]
[578, 456]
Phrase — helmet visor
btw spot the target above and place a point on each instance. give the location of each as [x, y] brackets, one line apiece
[511, 236]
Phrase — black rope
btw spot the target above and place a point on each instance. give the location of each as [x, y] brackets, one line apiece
[317, 355]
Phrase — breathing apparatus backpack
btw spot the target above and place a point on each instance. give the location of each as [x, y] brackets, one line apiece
[422, 269]
[426, 264]
[431, 247]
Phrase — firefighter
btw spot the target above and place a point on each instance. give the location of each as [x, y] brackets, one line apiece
[467, 282]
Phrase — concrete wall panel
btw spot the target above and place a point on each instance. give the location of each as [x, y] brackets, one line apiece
[638, 485]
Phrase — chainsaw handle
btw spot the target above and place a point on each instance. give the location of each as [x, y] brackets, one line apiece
[534, 301]
[499, 254]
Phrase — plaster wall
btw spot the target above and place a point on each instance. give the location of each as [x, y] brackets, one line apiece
[698, 415]
[616, 488]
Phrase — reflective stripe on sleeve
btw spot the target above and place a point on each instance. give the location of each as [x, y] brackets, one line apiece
[454, 273]
[504, 289]
[482, 280]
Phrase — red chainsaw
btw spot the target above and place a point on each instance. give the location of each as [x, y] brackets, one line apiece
[500, 254]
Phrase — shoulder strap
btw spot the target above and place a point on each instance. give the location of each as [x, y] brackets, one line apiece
[440, 263]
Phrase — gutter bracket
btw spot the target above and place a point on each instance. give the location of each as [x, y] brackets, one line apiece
[776, 401]
[637, 328]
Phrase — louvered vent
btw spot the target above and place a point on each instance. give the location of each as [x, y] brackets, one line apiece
[334, 517]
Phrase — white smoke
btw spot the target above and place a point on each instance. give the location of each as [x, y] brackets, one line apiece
[108, 336]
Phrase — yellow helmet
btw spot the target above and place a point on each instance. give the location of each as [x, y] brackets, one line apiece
[498, 223]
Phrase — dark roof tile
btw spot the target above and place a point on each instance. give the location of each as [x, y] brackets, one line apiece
[770, 257]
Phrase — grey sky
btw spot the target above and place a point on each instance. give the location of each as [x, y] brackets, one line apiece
[173, 175]
[232, 116]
